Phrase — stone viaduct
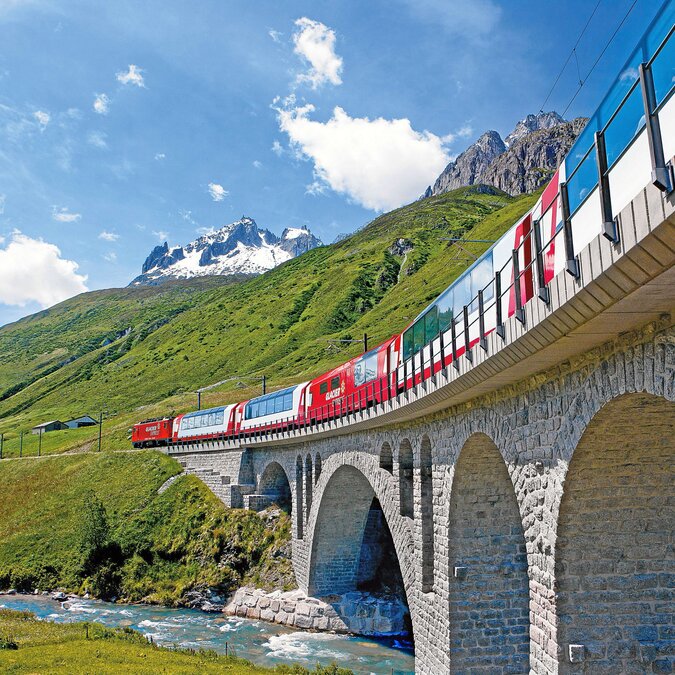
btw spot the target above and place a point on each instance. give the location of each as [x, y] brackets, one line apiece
[529, 496]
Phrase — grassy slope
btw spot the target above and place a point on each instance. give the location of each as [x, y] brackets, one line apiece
[170, 543]
[277, 324]
[44, 647]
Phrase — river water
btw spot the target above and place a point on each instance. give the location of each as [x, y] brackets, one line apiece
[263, 643]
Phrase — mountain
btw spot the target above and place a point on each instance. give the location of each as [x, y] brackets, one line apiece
[520, 163]
[238, 248]
[142, 351]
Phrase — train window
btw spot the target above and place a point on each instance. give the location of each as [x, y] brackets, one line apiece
[335, 382]
[371, 367]
[212, 419]
[279, 404]
[482, 277]
[220, 417]
[418, 335]
[288, 401]
[462, 294]
[444, 305]
[323, 387]
[359, 373]
[407, 344]
[430, 325]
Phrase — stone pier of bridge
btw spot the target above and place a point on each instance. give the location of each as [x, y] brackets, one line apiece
[528, 498]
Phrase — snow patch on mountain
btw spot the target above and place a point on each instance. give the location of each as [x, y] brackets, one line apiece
[238, 248]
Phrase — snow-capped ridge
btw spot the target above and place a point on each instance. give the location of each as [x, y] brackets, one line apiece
[237, 248]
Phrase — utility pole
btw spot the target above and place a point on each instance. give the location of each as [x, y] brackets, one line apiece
[264, 384]
[21, 444]
[2, 442]
[40, 442]
[100, 428]
[365, 342]
[199, 400]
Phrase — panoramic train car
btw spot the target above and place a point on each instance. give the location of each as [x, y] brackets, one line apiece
[275, 411]
[150, 433]
[352, 386]
[204, 424]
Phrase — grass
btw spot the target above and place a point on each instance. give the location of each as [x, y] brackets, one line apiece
[153, 548]
[31, 646]
[140, 352]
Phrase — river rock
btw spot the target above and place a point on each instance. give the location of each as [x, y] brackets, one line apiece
[59, 596]
[11, 591]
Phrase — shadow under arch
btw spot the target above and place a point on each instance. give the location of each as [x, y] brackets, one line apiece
[613, 551]
[274, 485]
[344, 533]
[489, 587]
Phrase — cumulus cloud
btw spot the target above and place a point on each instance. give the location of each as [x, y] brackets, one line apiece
[42, 118]
[132, 76]
[97, 139]
[217, 192]
[277, 148]
[108, 236]
[32, 270]
[315, 43]
[63, 215]
[378, 163]
[101, 104]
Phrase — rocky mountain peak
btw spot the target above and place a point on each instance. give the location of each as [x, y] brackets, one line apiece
[520, 163]
[238, 248]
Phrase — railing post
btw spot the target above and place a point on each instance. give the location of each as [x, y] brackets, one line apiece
[467, 339]
[441, 345]
[609, 228]
[520, 312]
[572, 264]
[453, 332]
[542, 291]
[499, 328]
[481, 320]
[660, 177]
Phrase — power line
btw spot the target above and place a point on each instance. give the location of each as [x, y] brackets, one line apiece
[573, 52]
[604, 49]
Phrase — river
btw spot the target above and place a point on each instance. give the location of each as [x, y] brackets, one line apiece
[263, 643]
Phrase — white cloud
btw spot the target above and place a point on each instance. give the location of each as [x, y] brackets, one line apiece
[108, 236]
[315, 43]
[110, 257]
[43, 118]
[257, 164]
[316, 187]
[131, 76]
[63, 215]
[378, 163]
[98, 140]
[160, 156]
[469, 19]
[32, 270]
[277, 148]
[101, 104]
[161, 235]
[217, 192]
[205, 230]
[275, 35]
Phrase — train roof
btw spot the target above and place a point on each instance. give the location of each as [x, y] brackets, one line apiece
[206, 411]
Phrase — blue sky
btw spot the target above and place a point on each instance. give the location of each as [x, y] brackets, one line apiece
[125, 124]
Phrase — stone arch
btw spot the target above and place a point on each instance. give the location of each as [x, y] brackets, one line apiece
[309, 483]
[274, 485]
[405, 479]
[427, 514]
[489, 593]
[317, 468]
[336, 529]
[299, 501]
[386, 458]
[614, 545]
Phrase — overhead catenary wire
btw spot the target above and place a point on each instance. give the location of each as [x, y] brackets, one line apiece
[569, 56]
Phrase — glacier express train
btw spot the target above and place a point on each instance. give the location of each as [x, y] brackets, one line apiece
[437, 336]
[611, 161]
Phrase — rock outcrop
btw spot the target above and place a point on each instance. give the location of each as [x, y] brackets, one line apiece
[522, 162]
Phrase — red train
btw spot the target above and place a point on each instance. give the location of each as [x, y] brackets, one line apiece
[450, 324]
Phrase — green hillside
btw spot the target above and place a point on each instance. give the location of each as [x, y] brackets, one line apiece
[96, 522]
[165, 342]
